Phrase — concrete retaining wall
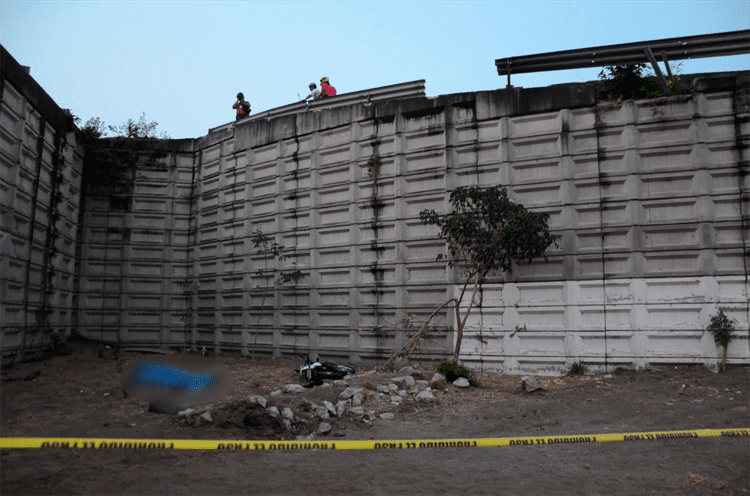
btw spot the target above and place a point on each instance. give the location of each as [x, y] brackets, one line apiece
[40, 177]
[648, 202]
[644, 196]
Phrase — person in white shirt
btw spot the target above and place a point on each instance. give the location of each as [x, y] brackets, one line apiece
[315, 93]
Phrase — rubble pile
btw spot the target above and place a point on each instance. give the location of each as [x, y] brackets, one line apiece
[289, 412]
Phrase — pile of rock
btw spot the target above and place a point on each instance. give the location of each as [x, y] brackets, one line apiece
[403, 389]
[410, 387]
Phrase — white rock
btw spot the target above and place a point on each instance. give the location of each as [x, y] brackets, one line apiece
[287, 423]
[275, 393]
[383, 389]
[309, 437]
[254, 398]
[357, 410]
[185, 413]
[340, 383]
[392, 388]
[529, 384]
[321, 412]
[273, 411]
[327, 384]
[329, 406]
[396, 400]
[340, 409]
[406, 382]
[207, 417]
[406, 370]
[294, 388]
[371, 415]
[403, 393]
[421, 385]
[357, 399]
[349, 392]
[461, 382]
[324, 428]
[387, 416]
[287, 413]
[437, 377]
[425, 397]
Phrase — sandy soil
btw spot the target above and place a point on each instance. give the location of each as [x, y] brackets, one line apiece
[79, 395]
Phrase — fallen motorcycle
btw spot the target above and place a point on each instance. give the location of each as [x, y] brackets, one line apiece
[316, 372]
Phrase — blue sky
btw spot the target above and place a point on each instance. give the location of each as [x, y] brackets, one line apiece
[182, 63]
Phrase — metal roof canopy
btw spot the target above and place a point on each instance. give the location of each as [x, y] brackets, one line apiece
[689, 47]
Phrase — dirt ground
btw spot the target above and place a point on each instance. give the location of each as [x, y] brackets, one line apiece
[79, 395]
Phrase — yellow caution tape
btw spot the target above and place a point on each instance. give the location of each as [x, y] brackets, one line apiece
[183, 444]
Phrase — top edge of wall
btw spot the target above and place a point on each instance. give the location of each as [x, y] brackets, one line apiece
[300, 119]
[17, 75]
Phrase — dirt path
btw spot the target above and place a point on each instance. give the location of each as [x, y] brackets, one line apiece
[79, 396]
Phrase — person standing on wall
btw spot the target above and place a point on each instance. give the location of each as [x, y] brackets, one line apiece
[314, 92]
[242, 106]
[326, 88]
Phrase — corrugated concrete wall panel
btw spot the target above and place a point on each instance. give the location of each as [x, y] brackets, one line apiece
[40, 170]
[644, 202]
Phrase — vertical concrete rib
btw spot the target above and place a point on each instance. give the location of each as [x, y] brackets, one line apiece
[451, 182]
[32, 228]
[315, 278]
[192, 281]
[278, 237]
[50, 236]
[598, 125]
[741, 114]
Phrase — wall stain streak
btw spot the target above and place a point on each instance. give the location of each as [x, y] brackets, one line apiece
[378, 273]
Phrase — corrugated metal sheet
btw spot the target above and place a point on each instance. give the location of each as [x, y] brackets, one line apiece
[688, 47]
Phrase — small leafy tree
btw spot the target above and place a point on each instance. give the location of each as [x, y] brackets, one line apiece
[270, 250]
[94, 128]
[485, 231]
[722, 327]
[189, 286]
[140, 129]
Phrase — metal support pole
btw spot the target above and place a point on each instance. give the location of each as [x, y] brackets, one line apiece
[666, 64]
[507, 62]
[655, 65]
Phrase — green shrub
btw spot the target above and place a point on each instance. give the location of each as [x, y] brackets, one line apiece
[722, 327]
[630, 82]
[452, 371]
[577, 368]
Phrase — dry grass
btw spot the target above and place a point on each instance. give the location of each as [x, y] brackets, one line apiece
[713, 486]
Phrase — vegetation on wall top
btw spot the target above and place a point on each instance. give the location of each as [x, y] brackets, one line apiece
[107, 162]
[631, 82]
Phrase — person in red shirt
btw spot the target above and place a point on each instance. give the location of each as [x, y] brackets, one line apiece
[326, 89]
[242, 106]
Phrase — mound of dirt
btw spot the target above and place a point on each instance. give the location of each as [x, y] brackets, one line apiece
[252, 421]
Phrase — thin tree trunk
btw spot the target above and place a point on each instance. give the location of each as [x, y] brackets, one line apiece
[407, 348]
[459, 335]
[459, 322]
[724, 359]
